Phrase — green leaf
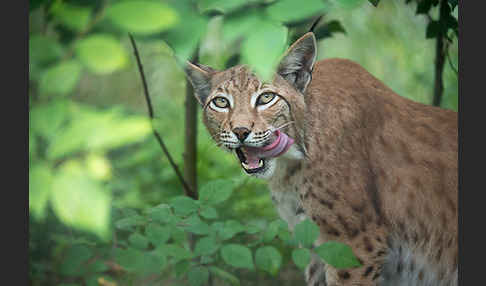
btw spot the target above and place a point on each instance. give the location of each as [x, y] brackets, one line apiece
[185, 36]
[268, 259]
[177, 234]
[195, 225]
[423, 7]
[329, 29]
[79, 201]
[451, 22]
[301, 257]
[216, 191]
[184, 205]
[213, 52]
[161, 213]
[264, 47]
[71, 16]
[337, 254]
[92, 280]
[156, 234]
[101, 53]
[241, 24]
[74, 259]
[256, 226]
[115, 130]
[293, 11]
[205, 259]
[99, 166]
[272, 230]
[224, 275]
[374, 2]
[128, 223]
[286, 236]
[198, 275]
[206, 246]
[138, 241]
[230, 229]
[142, 17]
[34, 4]
[182, 267]
[222, 6]
[348, 4]
[335, 27]
[209, 213]
[32, 145]
[433, 29]
[237, 255]
[140, 262]
[306, 232]
[453, 3]
[97, 131]
[96, 266]
[126, 258]
[61, 78]
[40, 182]
[44, 50]
[173, 250]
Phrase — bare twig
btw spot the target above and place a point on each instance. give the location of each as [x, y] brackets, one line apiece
[452, 65]
[97, 18]
[187, 189]
[315, 23]
[454, 69]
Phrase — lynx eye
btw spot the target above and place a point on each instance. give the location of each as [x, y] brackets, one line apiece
[221, 102]
[265, 98]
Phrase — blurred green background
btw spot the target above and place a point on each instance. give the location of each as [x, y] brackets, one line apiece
[93, 160]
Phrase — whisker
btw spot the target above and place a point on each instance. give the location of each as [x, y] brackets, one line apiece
[217, 145]
[282, 126]
[215, 137]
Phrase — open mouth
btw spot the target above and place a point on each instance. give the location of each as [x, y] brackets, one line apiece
[250, 166]
[252, 159]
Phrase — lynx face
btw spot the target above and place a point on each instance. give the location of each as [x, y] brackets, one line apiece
[248, 116]
[244, 112]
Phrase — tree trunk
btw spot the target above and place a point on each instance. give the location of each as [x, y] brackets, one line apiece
[190, 146]
[440, 53]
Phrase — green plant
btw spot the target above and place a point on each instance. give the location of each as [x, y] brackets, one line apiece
[97, 176]
[191, 238]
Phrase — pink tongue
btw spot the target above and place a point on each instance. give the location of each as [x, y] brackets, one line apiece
[277, 148]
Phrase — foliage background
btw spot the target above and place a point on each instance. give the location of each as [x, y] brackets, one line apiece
[94, 162]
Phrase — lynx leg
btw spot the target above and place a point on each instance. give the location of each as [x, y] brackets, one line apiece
[315, 273]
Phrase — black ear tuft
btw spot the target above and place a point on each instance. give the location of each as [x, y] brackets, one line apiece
[298, 62]
[200, 77]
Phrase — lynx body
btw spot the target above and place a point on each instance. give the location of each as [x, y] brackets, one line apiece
[373, 169]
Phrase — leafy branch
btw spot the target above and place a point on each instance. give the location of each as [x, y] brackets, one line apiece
[438, 29]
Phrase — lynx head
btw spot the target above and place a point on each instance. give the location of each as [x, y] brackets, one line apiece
[258, 120]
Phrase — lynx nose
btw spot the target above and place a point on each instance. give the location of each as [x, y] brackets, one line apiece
[241, 133]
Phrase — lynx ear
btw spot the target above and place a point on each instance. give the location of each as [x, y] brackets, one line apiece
[298, 62]
[200, 78]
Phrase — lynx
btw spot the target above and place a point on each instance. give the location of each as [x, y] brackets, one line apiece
[372, 169]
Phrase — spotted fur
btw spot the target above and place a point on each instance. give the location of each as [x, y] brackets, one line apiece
[372, 169]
